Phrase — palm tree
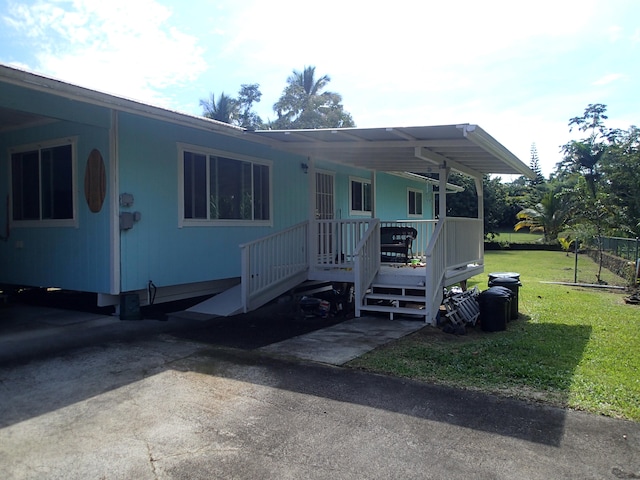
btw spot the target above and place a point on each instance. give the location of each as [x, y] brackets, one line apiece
[549, 217]
[303, 104]
[224, 110]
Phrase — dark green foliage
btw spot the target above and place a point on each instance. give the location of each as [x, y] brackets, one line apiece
[303, 104]
[235, 111]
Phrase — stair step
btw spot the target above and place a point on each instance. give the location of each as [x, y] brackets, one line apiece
[398, 310]
[397, 286]
[401, 298]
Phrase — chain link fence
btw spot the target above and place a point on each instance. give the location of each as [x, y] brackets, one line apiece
[619, 258]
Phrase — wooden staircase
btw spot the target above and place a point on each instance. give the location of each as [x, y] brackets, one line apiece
[396, 296]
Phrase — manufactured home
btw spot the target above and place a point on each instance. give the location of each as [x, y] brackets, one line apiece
[112, 196]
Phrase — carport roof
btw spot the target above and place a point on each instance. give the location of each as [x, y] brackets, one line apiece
[466, 148]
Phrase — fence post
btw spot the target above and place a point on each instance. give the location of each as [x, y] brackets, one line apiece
[635, 274]
[575, 269]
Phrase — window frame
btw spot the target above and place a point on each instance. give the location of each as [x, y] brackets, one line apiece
[363, 181]
[208, 153]
[39, 146]
[415, 191]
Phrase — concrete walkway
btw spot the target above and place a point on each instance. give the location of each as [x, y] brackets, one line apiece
[345, 341]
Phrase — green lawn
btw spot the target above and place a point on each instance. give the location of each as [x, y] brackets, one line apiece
[573, 347]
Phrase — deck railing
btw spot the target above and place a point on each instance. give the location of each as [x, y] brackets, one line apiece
[276, 263]
[273, 264]
[337, 241]
[464, 238]
[425, 229]
[436, 268]
[456, 243]
[367, 263]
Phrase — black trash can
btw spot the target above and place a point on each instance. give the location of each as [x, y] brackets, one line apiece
[510, 280]
[494, 309]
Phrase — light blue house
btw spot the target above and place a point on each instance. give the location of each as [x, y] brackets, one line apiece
[107, 195]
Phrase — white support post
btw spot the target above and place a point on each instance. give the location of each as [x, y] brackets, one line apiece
[312, 247]
[443, 176]
[480, 192]
[373, 194]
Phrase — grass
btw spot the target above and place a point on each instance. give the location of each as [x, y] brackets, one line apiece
[570, 347]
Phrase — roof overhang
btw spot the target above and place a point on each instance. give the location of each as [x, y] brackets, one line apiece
[465, 148]
[11, 119]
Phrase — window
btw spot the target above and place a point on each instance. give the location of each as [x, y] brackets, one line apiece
[415, 202]
[360, 196]
[42, 181]
[220, 188]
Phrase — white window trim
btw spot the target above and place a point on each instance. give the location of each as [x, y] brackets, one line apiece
[421, 192]
[353, 212]
[48, 222]
[206, 222]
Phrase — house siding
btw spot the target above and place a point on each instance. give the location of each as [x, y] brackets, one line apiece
[391, 192]
[156, 249]
[74, 258]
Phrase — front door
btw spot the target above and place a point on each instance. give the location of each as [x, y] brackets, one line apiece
[325, 207]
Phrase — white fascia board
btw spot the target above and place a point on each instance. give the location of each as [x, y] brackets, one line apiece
[53, 86]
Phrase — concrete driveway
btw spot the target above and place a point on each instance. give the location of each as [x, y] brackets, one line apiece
[167, 407]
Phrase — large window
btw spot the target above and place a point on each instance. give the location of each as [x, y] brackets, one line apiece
[414, 202]
[220, 188]
[360, 196]
[42, 184]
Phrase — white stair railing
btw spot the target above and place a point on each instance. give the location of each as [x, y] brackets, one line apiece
[273, 264]
[367, 263]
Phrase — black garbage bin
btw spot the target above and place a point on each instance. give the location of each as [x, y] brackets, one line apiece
[510, 280]
[494, 306]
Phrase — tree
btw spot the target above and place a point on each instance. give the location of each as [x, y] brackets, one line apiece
[464, 204]
[549, 217]
[235, 111]
[247, 96]
[224, 110]
[621, 169]
[534, 164]
[304, 105]
[583, 156]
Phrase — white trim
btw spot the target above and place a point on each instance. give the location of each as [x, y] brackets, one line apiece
[206, 222]
[422, 197]
[363, 181]
[114, 207]
[48, 222]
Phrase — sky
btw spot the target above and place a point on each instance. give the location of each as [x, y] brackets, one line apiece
[520, 70]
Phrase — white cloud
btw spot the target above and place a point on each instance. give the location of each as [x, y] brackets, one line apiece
[120, 46]
[607, 79]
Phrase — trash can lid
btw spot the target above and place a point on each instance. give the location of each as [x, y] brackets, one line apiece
[503, 281]
[504, 274]
[495, 292]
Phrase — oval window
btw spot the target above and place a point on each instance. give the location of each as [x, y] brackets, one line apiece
[95, 181]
